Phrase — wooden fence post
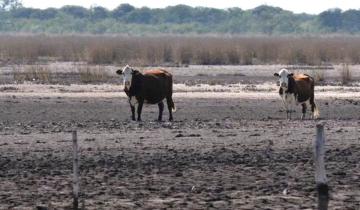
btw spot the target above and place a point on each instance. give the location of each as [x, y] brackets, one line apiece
[75, 171]
[320, 174]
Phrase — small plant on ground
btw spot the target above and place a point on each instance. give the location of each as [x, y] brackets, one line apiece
[345, 73]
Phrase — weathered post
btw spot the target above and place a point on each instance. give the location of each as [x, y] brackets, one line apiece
[75, 171]
[320, 174]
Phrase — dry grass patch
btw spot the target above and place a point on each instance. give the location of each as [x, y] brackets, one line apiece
[345, 73]
[33, 73]
[92, 74]
[319, 75]
[170, 49]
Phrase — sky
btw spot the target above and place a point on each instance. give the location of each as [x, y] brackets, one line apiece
[297, 6]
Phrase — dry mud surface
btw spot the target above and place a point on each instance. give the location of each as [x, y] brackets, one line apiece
[225, 150]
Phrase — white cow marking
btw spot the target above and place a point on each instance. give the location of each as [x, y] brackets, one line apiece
[288, 101]
[283, 78]
[133, 100]
[127, 76]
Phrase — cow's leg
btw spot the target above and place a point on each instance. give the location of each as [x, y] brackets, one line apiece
[287, 114]
[171, 106]
[289, 111]
[286, 107]
[139, 109]
[314, 108]
[291, 102]
[303, 105]
[132, 112]
[161, 109]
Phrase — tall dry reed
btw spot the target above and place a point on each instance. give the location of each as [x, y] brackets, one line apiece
[180, 50]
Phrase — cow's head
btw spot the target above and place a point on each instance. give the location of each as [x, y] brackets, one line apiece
[283, 76]
[127, 73]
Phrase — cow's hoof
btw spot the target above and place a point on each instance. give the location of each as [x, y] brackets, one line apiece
[171, 119]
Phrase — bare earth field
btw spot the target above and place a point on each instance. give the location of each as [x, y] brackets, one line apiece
[229, 147]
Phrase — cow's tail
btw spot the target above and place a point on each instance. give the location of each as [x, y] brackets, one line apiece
[316, 108]
[173, 107]
[316, 111]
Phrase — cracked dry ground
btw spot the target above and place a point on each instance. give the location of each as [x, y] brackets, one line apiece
[217, 154]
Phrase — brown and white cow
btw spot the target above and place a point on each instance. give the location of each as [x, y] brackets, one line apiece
[297, 89]
[152, 87]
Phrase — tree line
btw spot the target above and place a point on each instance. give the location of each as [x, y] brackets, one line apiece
[180, 19]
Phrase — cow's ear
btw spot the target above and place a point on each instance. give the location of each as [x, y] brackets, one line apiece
[119, 72]
[276, 75]
[290, 75]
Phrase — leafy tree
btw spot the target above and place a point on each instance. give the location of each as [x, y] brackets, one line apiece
[10, 4]
[331, 19]
[178, 14]
[351, 21]
[210, 15]
[34, 13]
[75, 11]
[142, 15]
[45, 14]
[266, 12]
[22, 12]
[174, 19]
[122, 10]
[98, 13]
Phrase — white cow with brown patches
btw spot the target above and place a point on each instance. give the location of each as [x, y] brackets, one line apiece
[297, 89]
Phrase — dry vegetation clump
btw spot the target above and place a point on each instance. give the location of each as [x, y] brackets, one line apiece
[100, 55]
[92, 74]
[319, 75]
[184, 55]
[33, 73]
[181, 50]
[345, 73]
[233, 56]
